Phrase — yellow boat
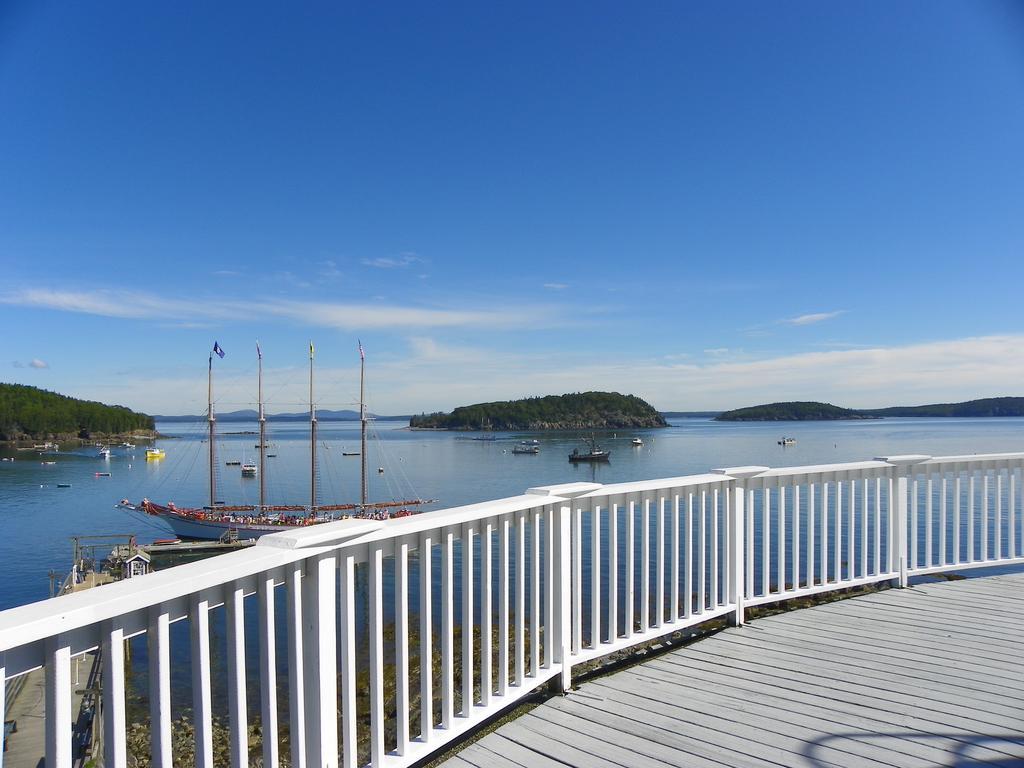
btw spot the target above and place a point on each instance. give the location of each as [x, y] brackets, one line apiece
[154, 453]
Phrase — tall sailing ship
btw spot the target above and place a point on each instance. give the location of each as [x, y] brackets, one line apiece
[217, 520]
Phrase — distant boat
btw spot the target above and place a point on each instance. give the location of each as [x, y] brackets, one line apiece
[350, 453]
[127, 445]
[529, 442]
[787, 441]
[593, 454]
[248, 469]
[102, 474]
[63, 485]
[154, 453]
[526, 449]
[637, 442]
[235, 463]
[104, 453]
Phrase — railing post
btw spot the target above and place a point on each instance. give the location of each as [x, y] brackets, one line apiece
[115, 754]
[562, 583]
[899, 512]
[319, 649]
[57, 671]
[735, 551]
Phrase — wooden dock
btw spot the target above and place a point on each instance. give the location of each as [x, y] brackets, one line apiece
[927, 676]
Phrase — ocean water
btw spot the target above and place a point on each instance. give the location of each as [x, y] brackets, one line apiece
[38, 518]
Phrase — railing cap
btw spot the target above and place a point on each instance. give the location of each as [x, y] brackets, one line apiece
[322, 535]
[565, 490]
[903, 460]
[740, 473]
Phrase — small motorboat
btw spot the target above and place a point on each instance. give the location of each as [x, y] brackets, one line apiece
[154, 453]
[248, 469]
[102, 474]
[594, 454]
[104, 453]
[787, 441]
[522, 450]
[637, 442]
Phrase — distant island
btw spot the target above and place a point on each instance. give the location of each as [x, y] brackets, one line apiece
[813, 411]
[581, 410]
[988, 406]
[30, 413]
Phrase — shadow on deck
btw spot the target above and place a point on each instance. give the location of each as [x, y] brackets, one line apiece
[921, 677]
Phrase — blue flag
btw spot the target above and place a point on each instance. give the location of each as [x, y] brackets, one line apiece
[217, 350]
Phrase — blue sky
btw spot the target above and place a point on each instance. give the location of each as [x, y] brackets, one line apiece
[709, 206]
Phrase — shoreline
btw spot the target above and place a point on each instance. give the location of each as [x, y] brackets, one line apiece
[28, 443]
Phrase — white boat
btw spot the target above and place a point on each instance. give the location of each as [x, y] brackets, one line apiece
[104, 453]
[787, 441]
[248, 469]
[253, 520]
[637, 442]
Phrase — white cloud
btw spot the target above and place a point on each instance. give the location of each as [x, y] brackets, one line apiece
[394, 262]
[556, 286]
[343, 316]
[813, 318]
[359, 316]
[37, 363]
[717, 352]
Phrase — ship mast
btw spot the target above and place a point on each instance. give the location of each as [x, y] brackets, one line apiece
[312, 437]
[362, 425]
[212, 423]
[263, 434]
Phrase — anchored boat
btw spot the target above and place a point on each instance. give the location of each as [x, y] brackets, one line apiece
[252, 520]
[594, 453]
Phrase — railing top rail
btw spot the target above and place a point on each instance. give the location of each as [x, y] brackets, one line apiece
[974, 457]
[428, 521]
[65, 613]
[665, 483]
[824, 469]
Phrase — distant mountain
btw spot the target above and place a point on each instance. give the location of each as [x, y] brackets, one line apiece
[581, 410]
[797, 411]
[812, 411]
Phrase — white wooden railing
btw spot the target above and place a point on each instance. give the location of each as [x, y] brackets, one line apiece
[490, 601]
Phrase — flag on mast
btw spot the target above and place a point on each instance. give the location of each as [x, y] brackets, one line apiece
[310, 350]
[259, 354]
[362, 355]
[218, 351]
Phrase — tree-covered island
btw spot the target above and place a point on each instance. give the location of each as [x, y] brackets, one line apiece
[798, 411]
[812, 411]
[580, 410]
[29, 413]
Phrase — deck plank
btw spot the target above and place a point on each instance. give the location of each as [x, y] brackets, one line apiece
[927, 676]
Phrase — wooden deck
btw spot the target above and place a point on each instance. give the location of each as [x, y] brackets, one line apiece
[927, 676]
